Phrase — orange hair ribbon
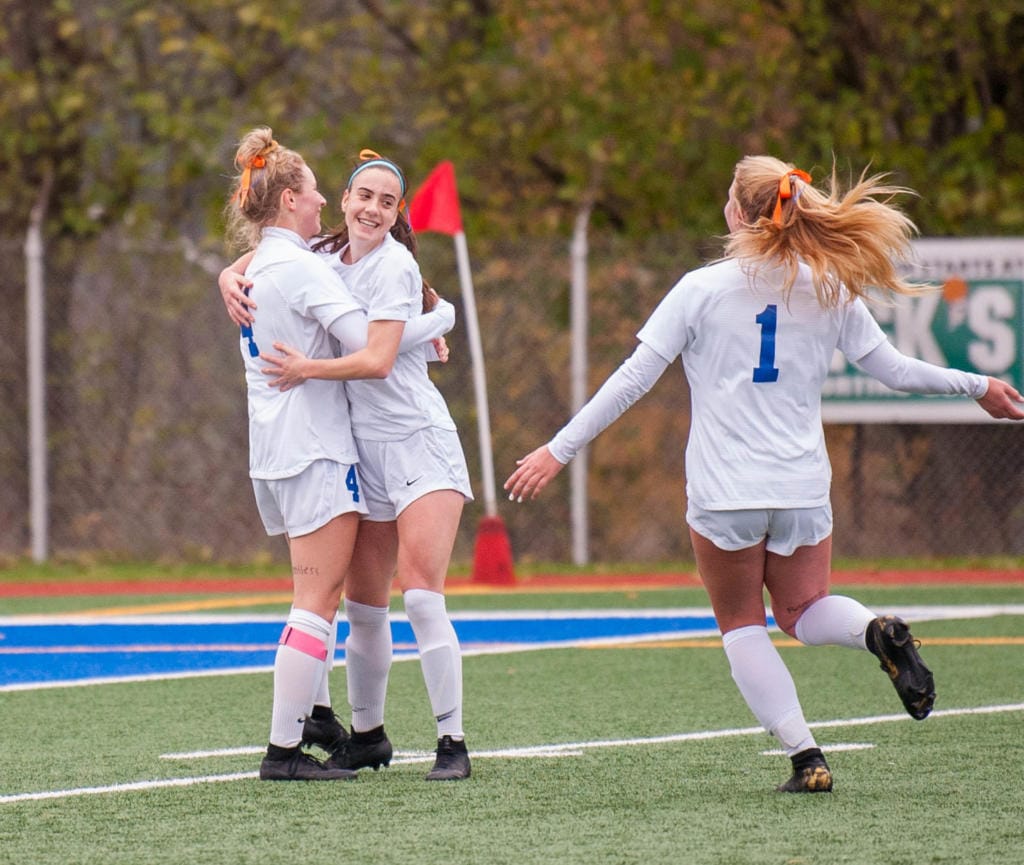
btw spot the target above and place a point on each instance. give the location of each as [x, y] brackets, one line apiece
[786, 191]
[245, 183]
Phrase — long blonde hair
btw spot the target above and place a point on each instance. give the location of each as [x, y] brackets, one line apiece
[264, 170]
[850, 240]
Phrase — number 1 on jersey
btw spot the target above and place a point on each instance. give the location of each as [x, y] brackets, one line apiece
[766, 370]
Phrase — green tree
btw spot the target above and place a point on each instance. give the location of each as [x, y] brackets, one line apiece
[932, 90]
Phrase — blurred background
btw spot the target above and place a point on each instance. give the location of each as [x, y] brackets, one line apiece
[119, 123]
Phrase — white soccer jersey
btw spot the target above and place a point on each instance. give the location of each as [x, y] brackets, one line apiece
[756, 364]
[755, 433]
[299, 297]
[387, 284]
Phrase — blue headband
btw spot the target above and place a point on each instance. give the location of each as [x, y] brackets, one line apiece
[380, 162]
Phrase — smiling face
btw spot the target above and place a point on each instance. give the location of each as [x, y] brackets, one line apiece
[370, 206]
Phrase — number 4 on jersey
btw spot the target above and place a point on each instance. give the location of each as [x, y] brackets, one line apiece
[766, 370]
[352, 483]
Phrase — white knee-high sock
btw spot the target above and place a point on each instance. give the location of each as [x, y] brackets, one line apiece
[368, 650]
[440, 658]
[323, 695]
[298, 670]
[834, 620]
[766, 685]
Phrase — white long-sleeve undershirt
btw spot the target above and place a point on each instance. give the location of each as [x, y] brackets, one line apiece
[908, 374]
[642, 369]
[637, 375]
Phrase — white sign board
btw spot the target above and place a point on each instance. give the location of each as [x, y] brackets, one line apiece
[974, 321]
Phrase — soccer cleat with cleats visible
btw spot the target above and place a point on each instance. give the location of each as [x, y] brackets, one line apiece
[296, 765]
[367, 750]
[452, 762]
[889, 639]
[323, 729]
[811, 774]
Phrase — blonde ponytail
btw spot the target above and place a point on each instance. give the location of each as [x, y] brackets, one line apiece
[852, 240]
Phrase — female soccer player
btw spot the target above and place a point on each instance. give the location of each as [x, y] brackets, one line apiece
[756, 332]
[413, 471]
[302, 455]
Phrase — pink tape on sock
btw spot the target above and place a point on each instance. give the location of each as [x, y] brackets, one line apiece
[303, 642]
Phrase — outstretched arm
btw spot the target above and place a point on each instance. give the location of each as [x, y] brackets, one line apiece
[900, 372]
[625, 386]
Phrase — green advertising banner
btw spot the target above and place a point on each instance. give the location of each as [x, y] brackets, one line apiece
[973, 321]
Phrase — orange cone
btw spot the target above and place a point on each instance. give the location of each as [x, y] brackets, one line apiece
[492, 559]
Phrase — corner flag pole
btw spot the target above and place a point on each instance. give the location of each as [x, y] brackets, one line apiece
[476, 353]
[435, 207]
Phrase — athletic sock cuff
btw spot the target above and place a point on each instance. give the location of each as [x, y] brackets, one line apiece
[364, 614]
[310, 623]
[745, 633]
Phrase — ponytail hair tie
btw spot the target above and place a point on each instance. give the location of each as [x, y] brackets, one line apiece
[245, 182]
[786, 191]
[372, 159]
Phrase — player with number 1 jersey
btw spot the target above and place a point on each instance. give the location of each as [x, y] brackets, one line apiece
[757, 332]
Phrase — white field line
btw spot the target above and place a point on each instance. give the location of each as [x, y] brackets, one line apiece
[126, 788]
[400, 756]
[703, 735]
[536, 752]
[137, 649]
[119, 680]
[839, 746]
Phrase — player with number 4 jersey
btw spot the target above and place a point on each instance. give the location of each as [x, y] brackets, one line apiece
[302, 453]
[756, 332]
[413, 473]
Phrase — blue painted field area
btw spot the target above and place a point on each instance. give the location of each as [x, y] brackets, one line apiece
[37, 652]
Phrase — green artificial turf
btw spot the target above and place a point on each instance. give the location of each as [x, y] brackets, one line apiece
[946, 790]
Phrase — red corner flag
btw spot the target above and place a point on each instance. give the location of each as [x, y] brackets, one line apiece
[435, 205]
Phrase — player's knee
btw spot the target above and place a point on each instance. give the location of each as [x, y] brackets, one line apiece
[423, 605]
[786, 619]
[786, 616]
[789, 628]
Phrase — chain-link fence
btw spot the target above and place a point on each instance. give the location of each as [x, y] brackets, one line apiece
[147, 437]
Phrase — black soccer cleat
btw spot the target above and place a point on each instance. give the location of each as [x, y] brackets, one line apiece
[890, 640]
[297, 765]
[367, 750]
[811, 774]
[452, 763]
[323, 729]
